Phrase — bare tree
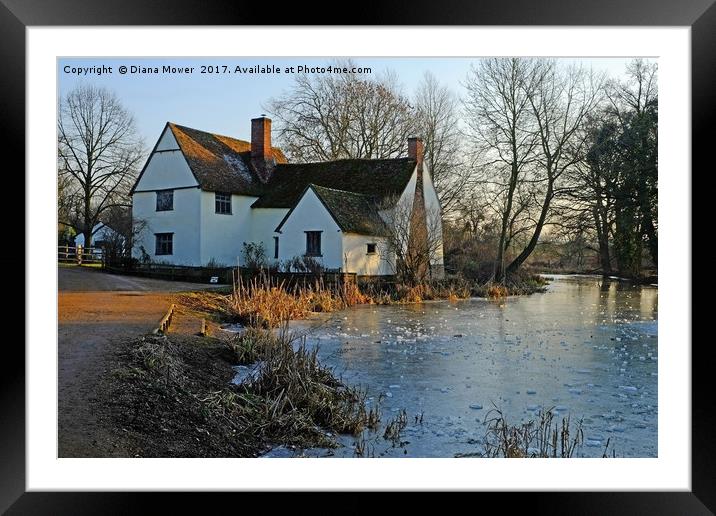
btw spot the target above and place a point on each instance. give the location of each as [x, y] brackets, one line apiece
[126, 230]
[98, 152]
[337, 116]
[502, 134]
[560, 100]
[414, 240]
[66, 210]
[438, 124]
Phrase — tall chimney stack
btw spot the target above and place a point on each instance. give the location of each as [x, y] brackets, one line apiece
[261, 155]
[415, 149]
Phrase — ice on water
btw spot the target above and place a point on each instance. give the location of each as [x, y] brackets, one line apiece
[583, 349]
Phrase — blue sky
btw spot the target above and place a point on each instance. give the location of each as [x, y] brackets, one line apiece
[225, 103]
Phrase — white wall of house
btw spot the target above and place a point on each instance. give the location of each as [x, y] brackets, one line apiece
[184, 221]
[356, 258]
[264, 222]
[403, 207]
[311, 215]
[167, 140]
[223, 235]
[166, 167]
[434, 213]
[404, 202]
[167, 170]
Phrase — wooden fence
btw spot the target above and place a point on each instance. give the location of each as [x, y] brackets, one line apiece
[219, 275]
[80, 255]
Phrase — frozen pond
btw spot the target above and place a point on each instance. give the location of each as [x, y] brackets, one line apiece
[587, 347]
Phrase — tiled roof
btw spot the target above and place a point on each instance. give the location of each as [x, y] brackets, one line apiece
[353, 212]
[377, 178]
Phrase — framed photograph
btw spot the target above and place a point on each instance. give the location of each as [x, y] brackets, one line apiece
[416, 256]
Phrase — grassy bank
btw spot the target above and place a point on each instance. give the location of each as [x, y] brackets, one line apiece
[173, 397]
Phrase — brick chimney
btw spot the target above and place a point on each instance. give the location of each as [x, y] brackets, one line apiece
[261, 138]
[261, 156]
[415, 149]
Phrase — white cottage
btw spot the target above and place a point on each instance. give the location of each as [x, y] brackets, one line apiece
[202, 196]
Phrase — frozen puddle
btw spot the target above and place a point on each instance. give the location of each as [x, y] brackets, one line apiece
[232, 328]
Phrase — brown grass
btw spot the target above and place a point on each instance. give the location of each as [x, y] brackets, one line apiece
[543, 437]
[268, 305]
[497, 291]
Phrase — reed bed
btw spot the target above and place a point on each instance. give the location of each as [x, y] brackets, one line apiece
[264, 303]
[267, 304]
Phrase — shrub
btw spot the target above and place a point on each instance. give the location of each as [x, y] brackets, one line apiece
[254, 255]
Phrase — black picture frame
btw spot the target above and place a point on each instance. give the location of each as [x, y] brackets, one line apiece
[17, 15]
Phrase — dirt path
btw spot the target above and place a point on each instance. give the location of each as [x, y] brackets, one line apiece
[96, 309]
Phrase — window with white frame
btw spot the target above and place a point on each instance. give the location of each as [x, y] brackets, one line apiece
[223, 203]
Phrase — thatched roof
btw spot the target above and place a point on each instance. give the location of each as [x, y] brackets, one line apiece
[377, 178]
[353, 212]
[220, 163]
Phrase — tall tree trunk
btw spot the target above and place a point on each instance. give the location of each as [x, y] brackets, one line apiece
[647, 219]
[499, 272]
[652, 237]
[627, 240]
[88, 225]
[601, 224]
[517, 262]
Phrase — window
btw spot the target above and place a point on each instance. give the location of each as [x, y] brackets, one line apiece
[165, 200]
[313, 243]
[275, 248]
[164, 243]
[223, 203]
[371, 249]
